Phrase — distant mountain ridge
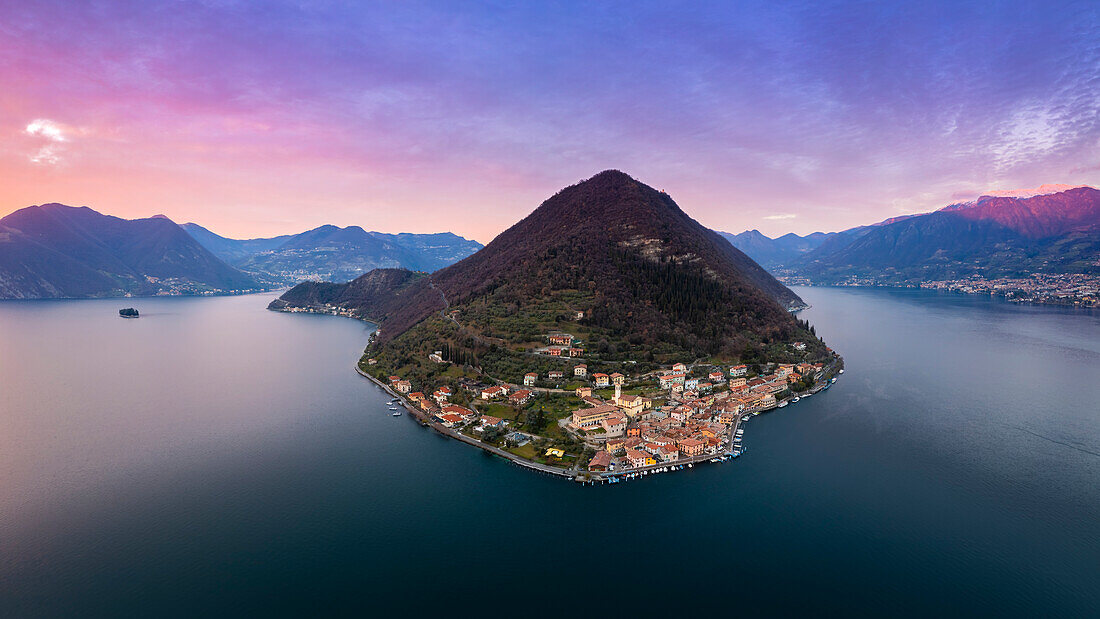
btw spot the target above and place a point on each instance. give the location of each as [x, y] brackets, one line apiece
[338, 254]
[1038, 216]
[993, 236]
[645, 276]
[788, 249]
[53, 250]
[771, 253]
[1052, 228]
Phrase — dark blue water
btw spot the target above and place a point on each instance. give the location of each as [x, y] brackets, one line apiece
[214, 457]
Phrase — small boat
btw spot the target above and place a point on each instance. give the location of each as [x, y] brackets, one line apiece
[834, 379]
[840, 372]
[795, 399]
[783, 403]
[396, 414]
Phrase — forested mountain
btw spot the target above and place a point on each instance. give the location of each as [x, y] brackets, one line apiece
[55, 250]
[337, 254]
[645, 278]
[992, 236]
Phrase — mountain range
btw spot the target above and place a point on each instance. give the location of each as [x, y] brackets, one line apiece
[1053, 229]
[771, 253]
[53, 250]
[58, 251]
[612, 260]
[333, 253]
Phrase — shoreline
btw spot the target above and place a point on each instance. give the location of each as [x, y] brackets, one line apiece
[496, 451]
[146, 296]
[731, 452]
[1004, 296]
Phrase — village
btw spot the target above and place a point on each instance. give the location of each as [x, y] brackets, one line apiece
[611, 426]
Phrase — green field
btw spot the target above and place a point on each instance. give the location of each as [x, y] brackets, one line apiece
[497, 409]
[526, 452]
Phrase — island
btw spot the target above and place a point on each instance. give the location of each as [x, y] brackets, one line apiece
[128, 312]
[609, 422]
[604, 337]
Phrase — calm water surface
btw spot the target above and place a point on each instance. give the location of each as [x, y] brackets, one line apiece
[213, 456]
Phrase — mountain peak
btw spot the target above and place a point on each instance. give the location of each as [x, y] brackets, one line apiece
[648, 276]
[1041, 190]
[1039, 215]
[611, 176]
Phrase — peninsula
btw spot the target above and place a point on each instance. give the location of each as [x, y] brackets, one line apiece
[605, 335]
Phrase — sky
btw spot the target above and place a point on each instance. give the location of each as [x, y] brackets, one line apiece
[257, 119]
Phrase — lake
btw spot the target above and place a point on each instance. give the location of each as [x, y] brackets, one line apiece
[212, 456]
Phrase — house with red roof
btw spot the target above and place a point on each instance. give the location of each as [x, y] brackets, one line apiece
[450, 420]
[490, 393]
[488, 421]
[520, 397]
[691, 447]
[600, 462]
[636, 457]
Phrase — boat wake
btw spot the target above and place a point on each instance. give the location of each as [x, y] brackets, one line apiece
[1054, 440]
